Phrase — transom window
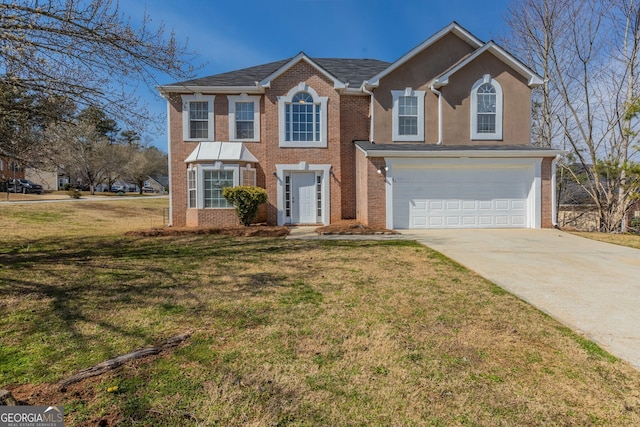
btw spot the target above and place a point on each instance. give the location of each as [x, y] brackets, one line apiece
[486, 109]
[408, 115]
[303, 118]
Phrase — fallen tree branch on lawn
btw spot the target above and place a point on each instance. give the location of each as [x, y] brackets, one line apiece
[110, 364]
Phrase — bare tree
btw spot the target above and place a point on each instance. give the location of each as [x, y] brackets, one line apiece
[86, 51]
[588, 53]
[145, 161]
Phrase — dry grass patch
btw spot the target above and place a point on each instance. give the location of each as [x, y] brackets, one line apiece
[291, 332]
[626, 239]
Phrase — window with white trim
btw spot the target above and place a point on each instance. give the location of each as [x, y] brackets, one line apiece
[192, 190]
[213, 182]
[248, 177]
[197, 117]
[486, 109]
[408, 115]
[303, 118]
[244, 118]
[205, 183]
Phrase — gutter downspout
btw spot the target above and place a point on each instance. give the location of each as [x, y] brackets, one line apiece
[167, 97]
[437, 92]
[554, 213]
[371, 111]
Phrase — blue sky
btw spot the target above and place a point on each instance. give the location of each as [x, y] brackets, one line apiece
[228, 34]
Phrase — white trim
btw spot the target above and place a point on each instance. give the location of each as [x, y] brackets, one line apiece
[534, 165]
[454, 28]
[337, 83]
[232, 116]
[169, 162]
[397, 94]
[210, 89]
[218, 166]
[533, 78]
[284, 100]
[475, 135]
[515, 154]
[325, 173]
[186, 102]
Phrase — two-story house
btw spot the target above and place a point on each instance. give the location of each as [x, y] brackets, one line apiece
[438, 138]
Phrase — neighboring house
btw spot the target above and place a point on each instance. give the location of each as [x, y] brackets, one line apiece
[10, 168]
[438, 138]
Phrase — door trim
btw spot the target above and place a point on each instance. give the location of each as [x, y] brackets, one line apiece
[321, 170]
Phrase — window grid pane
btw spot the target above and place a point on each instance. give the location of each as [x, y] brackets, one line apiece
[244, 120]
[191, 186]
[214, 182]
[408, 115]
[249, 177]
[319, 195]
[199, 119]
[302, 121]
[287, 196]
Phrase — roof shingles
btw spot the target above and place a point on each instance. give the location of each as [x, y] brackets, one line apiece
[351, 71]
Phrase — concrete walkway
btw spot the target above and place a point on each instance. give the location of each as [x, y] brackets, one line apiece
[591, 287]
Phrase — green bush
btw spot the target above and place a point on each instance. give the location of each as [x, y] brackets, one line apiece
[246, 200]
[73, 193]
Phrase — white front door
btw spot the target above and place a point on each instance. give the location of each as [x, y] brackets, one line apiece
[303, 198]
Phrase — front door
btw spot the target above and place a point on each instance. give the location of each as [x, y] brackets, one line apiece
[303, 198]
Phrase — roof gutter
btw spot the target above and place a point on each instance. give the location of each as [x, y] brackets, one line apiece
[437, 92]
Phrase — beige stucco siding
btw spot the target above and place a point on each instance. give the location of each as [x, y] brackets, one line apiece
[516, 103]
[416, 74]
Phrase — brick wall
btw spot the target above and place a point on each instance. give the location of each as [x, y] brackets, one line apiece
[354, 125]
[371, 194]
[347, 120]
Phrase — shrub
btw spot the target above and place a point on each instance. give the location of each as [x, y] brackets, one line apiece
[73, 193]
[246, 200]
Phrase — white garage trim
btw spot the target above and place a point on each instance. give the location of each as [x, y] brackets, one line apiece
[526, 170]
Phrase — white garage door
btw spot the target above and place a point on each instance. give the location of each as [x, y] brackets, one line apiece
[461, 197]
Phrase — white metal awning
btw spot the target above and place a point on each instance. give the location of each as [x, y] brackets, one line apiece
[211, 151]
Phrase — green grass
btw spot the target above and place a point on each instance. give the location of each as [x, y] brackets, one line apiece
[291, 333]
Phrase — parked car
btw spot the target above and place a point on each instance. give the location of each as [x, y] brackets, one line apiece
[116, 188]
[24, 186]
[148, 189]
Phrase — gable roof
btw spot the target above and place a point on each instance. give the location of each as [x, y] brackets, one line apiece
[533, 78]
[454, 28]
[344, 72]
[352, 75]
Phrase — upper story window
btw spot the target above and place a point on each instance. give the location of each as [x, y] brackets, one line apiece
[303, 118]
[244, 118]
[408, 115]
[486, 109]
[197, 117]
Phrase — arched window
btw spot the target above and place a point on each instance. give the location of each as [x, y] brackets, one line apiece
[486, 109]
[303, 118]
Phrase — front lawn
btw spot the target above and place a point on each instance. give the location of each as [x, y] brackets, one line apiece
[626, 239]
[299, 333]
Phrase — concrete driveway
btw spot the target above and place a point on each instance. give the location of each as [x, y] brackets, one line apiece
[592, 287]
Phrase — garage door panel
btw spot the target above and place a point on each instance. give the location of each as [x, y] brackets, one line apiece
[458, 197]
